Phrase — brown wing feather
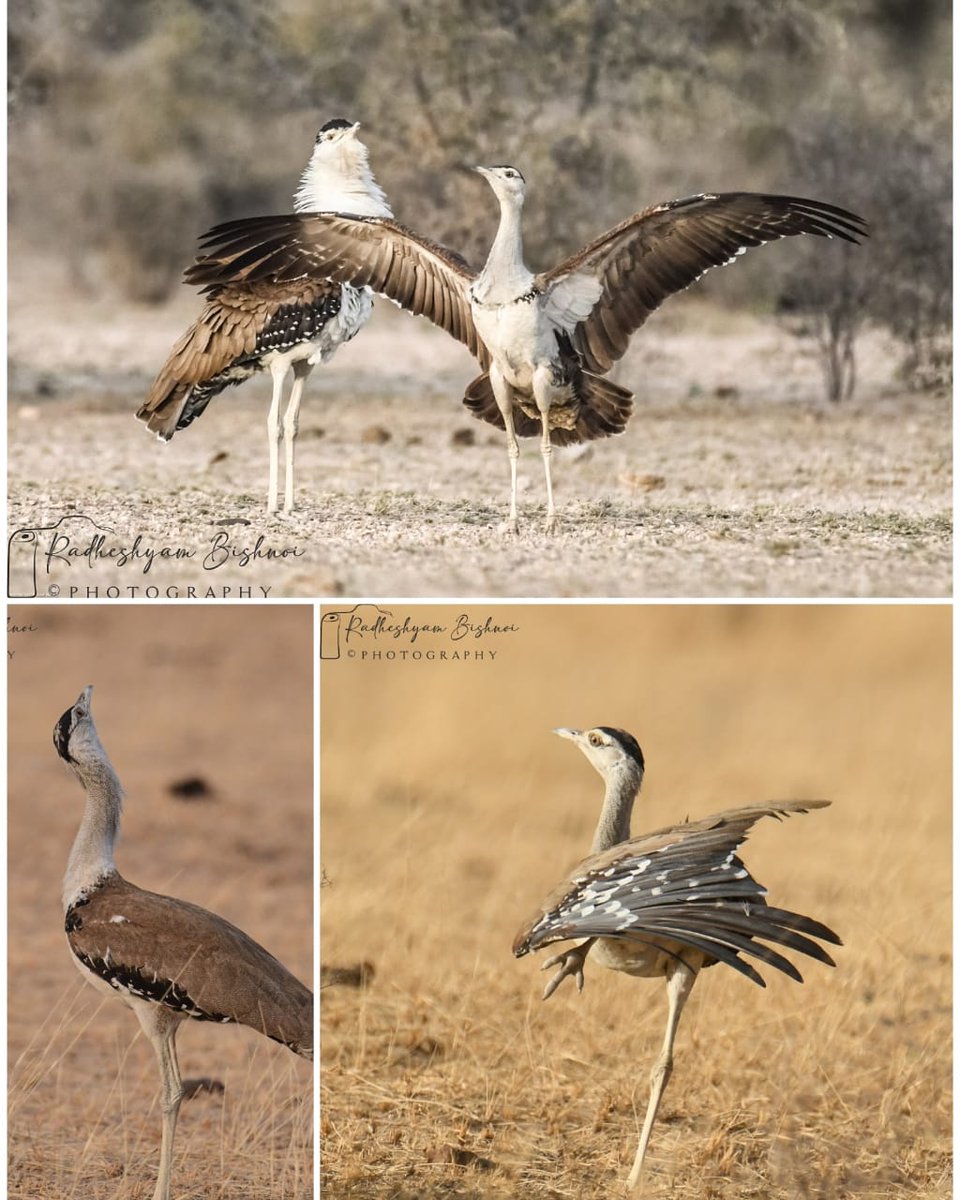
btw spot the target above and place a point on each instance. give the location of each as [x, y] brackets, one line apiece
[225, 973]
[224, 333]
[663, 249]
[421, 276]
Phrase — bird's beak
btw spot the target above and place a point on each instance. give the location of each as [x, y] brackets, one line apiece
[484, 171]
[85, 696]
[352, 131]
[570, 734]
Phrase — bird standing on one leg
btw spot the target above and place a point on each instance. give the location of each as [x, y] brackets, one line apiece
[245, 330]
[166, 959]
[544, 341]
[666, 904]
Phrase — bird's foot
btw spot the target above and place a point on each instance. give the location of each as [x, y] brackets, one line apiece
[550, 525]
[511, 525]
[570, 963]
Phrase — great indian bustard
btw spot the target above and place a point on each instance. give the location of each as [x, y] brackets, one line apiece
[247, 328]
[166, 959]
[544, 341]
[666, 904]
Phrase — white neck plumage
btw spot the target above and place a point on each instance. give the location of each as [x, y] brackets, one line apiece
[344, 186]
[505, 276]
[92, 855]
[622, 789]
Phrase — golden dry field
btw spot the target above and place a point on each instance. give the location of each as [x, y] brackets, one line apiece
[449, 811]
[224, 695]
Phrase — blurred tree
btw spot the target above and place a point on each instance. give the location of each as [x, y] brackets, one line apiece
[134, 126]
[899, 178]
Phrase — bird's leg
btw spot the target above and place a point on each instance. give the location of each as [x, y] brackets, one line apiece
[278, 371]
[543, 395]
[503, 394]
[680, 980]
[160, 1026]
[570, 963]
[291, 424]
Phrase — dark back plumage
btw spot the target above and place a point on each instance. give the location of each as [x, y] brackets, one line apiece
[188, 959]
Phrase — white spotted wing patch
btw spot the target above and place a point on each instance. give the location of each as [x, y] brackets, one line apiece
[633, 893]
[693, 890]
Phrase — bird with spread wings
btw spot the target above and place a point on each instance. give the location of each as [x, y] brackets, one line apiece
[544, 341]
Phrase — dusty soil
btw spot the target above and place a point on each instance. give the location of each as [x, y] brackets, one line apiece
[449, 811]
[734, 478]
[224, 694]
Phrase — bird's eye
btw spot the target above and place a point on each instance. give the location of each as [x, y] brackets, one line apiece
[595, 739]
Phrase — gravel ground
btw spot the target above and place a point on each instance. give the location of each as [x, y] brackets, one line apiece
[733, 479]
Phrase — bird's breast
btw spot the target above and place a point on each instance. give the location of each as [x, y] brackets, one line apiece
[648, 959]
[517, 336]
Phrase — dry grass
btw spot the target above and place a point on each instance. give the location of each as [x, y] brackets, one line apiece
[448, 811]
[225, 694]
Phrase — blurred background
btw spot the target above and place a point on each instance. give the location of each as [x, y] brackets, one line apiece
[133, 127]
[207, 715]
[449, 811]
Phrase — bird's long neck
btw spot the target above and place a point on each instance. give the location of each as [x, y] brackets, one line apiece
[347, 186]
[505, 275]
[614, 825]
[92, 855]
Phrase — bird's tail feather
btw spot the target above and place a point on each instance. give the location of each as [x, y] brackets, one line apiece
[192, 375]
[604, 410]
[163, 407]
[605, 407]
[480, 400]
[728, 930]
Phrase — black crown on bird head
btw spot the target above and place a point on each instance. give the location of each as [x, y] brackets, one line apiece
[629, 743]
[336, 123]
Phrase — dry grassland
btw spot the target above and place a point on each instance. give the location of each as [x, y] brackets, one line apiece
[448, 811]
[225, 695]
[734, 477]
